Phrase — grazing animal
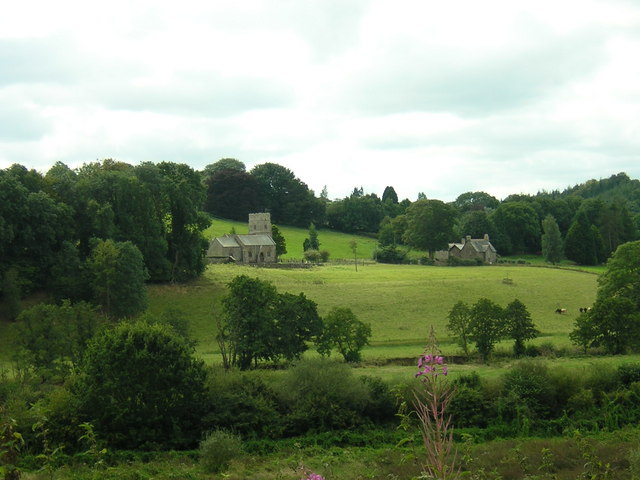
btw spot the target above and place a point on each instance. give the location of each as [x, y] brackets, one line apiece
[561, 310]
[584, 309]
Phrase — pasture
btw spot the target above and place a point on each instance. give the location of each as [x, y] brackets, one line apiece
[401, 302]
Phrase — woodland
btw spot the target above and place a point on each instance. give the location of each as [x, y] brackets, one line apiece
[98, 381]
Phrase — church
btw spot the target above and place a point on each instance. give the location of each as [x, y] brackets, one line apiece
[257, 247]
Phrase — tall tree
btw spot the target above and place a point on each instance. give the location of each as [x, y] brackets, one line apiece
[429, 225]
[186, 222]
[487, 326]
[232, 194]
[345, 332]
[552, 247]
[118, 278]
[519, 326]
[278, 238]
[311, 242]
[475, 201]
[518, 222]
[583, 243]
[460, 325]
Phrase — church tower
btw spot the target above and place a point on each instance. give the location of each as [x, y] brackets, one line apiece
[260, 224]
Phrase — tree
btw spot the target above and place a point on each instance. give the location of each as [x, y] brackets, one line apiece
[356, 213]
[389, 195]
[55, 337]
[117, 277]
[583, 243]
[487, 326]
[278, 238]
[258, 323]
[222, 164]
[312, 242]
[614, 319]
[232, 194]
[519, 223]
[186, 222]
[429, 225]
[142, 388]
[296, 323]
[552, 247]
[354, 249]
[475, 201]
[247, 325]
[460, 325]
[519, 326]
[343, 330]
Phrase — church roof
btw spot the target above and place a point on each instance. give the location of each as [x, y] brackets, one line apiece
[255, 240]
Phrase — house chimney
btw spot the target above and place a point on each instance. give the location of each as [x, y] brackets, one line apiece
[486, 237]
[467, 239]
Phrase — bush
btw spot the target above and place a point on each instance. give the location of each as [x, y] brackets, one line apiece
[390, 254]
[322, 395]
[313, 256]
[142, 389]
[629, 373]
[218, 449]
[244, 402]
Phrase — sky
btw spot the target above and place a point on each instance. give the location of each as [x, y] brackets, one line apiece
[439, 98]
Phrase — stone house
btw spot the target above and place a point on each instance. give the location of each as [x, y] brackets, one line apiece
[470, 249]
[257, 247]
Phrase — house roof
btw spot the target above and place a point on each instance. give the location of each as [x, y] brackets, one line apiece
[255, 240]
[482, 245]
[227, 241]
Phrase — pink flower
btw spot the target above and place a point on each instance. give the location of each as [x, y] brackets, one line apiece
[445, 370]
[420, 362]
[439, 360]
[428, 358]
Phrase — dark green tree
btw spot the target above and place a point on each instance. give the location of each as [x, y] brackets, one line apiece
[389, 195]
[278, 238]
[343, 331]
[583, 243]
[232, 194]
[487, 326]
[296, 323]
[141, 388]
[311, 242]
[222, 164]
[429, 225]
[356, 213]
[519, 223]
[552, 246]
[459, 325]
[117, 277]
[519, 326]
[614, 320]
[475, 201]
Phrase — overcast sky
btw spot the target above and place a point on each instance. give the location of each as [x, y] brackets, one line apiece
[425, 96]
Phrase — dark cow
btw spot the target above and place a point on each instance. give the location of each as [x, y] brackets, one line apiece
[561, 310]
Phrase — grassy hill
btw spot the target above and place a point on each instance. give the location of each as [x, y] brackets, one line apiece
[336, 243]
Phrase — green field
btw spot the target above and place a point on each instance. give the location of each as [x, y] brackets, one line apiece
[401, 302]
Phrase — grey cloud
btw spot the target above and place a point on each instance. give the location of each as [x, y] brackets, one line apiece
[20, 123]
[409, 78]
[210, 95]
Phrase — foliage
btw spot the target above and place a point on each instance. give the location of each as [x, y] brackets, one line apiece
[322, 395]
[519, 326]
[11, 443]
[55, 337]
[460, 325]
[218, 449]
[312, 242]
[258, 323]
[280, 241]
[356, 214]
[117, 277]
[429, 225]
[141, 388]
[232, 193]
[614, 321]
[390, 254]
[487, 326]
[583, 243]
[552, 246]
[343, 331]
[287, 198]
[518, 222]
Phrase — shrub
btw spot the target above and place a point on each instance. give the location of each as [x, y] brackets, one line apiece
[142, 388]
[322, 395]
[244, 402]
[390, 254]
[218, 449]
[629, 373]
[312, 256]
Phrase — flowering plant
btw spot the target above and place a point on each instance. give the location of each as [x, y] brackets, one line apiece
[431, 402]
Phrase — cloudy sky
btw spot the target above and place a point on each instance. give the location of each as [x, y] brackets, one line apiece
[425, 96]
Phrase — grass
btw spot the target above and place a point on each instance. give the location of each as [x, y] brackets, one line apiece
[400, 302]
[336, 243]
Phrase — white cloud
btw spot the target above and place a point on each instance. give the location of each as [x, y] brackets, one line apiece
[439, 98]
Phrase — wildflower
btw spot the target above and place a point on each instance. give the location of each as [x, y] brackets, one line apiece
[439, 360]
[445, 370]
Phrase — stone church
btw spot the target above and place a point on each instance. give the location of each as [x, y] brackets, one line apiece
[254, 248]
